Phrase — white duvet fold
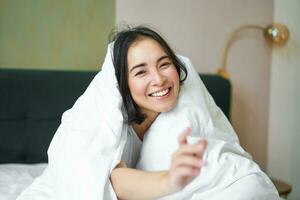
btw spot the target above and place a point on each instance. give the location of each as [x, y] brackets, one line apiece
[90, 140]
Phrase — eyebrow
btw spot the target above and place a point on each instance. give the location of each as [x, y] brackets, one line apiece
[144, 64]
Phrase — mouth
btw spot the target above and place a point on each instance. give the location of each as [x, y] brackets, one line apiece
[161, 93]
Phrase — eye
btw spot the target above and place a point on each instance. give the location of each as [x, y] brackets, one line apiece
[165, 65]
[140, 73]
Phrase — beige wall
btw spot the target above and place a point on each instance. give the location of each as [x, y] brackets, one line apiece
[284, 126]
[48, 34]
[198, 29]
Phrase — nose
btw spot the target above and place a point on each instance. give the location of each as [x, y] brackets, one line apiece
[158, 78]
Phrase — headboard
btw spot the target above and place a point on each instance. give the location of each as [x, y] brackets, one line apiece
[32, 102]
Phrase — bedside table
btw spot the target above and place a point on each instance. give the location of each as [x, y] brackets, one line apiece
[283, 188]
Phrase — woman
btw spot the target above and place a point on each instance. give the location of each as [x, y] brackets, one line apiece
[124, 137]
[148, 74]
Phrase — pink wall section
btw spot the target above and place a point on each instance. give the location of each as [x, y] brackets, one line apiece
[198, 30]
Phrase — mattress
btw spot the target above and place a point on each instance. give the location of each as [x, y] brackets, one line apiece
[14, 178]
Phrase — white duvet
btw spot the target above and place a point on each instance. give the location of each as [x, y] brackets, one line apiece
[90, 140]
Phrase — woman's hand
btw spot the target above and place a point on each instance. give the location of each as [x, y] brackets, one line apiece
[186, 162]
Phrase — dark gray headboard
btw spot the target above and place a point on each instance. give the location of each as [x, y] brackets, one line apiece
[32, 102]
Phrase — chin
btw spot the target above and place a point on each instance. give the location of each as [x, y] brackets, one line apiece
[167, 108]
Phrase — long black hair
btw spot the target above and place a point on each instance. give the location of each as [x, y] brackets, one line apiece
[122, 42]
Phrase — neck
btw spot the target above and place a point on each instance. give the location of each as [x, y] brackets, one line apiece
[142, 128]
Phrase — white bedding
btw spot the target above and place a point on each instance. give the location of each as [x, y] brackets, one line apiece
[16, 177]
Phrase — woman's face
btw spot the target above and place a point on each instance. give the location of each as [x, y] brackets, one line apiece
[152, 77]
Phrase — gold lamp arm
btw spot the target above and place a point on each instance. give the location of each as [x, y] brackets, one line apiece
[274, 34]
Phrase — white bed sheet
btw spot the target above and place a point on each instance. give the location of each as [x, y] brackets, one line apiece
[16, 177]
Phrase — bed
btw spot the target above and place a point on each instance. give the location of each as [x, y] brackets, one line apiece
[31, 105]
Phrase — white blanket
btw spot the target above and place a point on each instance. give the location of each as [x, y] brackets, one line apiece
[90, 141]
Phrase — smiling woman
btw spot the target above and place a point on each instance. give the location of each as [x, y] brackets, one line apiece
[148, 74]
[161, 134]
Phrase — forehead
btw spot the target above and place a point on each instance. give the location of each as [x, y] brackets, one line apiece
[144, 49]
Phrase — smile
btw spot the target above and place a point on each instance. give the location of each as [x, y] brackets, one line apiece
[160, 93]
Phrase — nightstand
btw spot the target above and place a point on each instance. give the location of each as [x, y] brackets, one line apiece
[283, 188]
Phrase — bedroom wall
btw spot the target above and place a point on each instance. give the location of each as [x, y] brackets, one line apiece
[56, 34]
[198, 29]
[284, 127]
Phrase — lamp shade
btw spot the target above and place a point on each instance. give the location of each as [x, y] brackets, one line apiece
[276, 34]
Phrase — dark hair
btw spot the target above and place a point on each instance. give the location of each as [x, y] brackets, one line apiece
[122, 42]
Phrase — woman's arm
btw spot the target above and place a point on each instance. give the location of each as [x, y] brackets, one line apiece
[137, 184]
[133, 184]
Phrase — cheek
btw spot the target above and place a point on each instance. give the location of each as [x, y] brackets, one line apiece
[137, 89]
[174, 76]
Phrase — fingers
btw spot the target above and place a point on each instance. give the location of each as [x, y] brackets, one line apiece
[186, 162]
[195, 149]
[183, 136]
[187, 171]
[189, 161]
[190, 155]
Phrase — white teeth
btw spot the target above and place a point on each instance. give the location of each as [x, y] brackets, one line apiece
[161, 93]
